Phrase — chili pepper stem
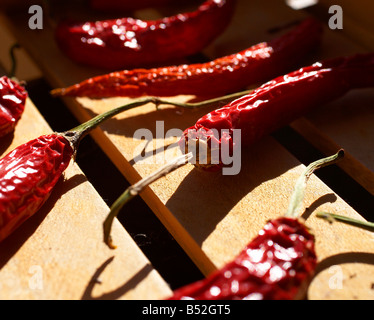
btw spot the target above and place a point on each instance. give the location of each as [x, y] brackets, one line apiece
[135, 189]
[298, 194]
[13, 59]
[331, 217]
[76, 134]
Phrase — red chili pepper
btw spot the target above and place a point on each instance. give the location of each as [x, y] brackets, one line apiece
[29, 173]
[12, 104]
[279, 102]
[278, 264]
[232, 73]
[129, 42]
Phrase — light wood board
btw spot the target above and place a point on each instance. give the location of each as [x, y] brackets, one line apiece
[59, 253]
[214, 216]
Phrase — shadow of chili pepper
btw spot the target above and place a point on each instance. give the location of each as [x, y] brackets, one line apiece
[347, 257]
[117, 293]
[330, 197]
[211, 196]
[5, 142]
[14, 242]
[342, 258]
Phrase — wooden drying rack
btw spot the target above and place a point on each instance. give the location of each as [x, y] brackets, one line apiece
[212, 217]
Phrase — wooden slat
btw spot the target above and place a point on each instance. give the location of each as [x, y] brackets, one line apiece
[59, 253]
[214, 216]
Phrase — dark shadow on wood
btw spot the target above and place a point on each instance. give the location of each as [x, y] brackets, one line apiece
[348, 257]
[327, 198]
[5, 143]
[226, 191]
[115, 294]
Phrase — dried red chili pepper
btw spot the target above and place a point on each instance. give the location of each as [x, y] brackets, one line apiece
[277, 103]
[232, 73]
[278, 264]
[29, 173]
[12, 104]
[129, 42]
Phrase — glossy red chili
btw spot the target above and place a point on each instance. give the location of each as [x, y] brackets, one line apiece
[12, 104]
[232, 73]
[28, 175]
[278, 264]
[129, 42]
[278, 102]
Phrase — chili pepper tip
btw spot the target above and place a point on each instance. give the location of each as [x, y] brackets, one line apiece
[110, 243]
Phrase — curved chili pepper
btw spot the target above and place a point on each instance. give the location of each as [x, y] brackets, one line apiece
[29, 173]
[232, 73]
[12, 104]
[129, 42]
[279, 102]
[278, 264]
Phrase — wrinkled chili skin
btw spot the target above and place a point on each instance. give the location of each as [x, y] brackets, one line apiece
[280, 101]
[278, 264]
[12, 104]
[228, 74]
[128, 42]
[27, 177]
